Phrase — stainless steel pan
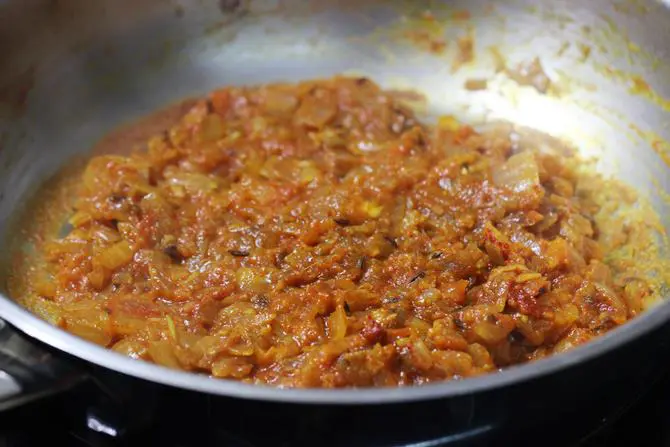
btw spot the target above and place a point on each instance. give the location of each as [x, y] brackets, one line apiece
[72, 70]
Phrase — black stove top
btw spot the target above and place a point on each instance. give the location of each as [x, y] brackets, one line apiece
[621, 398]
[120, 411]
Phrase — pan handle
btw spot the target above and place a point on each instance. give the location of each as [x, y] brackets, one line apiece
[30, 370]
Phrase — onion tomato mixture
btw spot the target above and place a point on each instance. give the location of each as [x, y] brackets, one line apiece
[318, 235]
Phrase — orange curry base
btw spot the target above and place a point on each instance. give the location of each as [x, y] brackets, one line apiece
[316, 235]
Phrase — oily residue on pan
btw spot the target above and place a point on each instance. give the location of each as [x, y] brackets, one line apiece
[44, 214]
[133, 135]
[637, 85]
[631, 232]
[659, 144]
[40, 217]
[604, 37]
[465, 50]
[428, 34]
[451, 34]
[429, 38]
[440, 31]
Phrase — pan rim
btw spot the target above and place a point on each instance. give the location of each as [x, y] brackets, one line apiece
[61, 340]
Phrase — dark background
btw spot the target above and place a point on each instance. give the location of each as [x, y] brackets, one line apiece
[62, 419]
[621, 398]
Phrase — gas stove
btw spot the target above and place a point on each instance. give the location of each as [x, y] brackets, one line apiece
[620, 398]
[115, 410]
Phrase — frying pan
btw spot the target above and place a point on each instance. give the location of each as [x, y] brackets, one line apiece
[73, 70]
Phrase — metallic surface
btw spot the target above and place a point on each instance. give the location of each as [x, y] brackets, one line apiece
[9, 387]
[72, 71]
[29, 371]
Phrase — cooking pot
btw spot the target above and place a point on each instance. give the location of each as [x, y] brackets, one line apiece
[72, 71]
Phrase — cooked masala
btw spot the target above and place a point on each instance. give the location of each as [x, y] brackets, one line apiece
[318, 235]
